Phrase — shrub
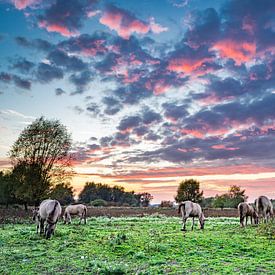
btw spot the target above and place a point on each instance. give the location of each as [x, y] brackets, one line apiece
[166, 204]
[99, 202]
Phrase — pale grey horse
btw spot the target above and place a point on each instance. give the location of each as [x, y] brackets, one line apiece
[264, 208]
[191, 209]
[49, 212]
[247, 210]
[75, 209]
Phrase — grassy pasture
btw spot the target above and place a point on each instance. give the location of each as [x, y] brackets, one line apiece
[137, 245]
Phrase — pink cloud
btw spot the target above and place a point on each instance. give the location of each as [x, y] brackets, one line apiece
[126, 24]
[223, 147]
[185, 65]
[22, 4]
[57, 28]
[240, 51]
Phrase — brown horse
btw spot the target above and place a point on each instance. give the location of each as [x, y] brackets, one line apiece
[246, 210]
[264, 208]
[49, 212]
[75, 209]
[191, 209]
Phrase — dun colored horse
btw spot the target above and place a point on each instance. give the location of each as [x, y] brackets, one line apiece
[246, 210]
[49, 212]
[191, 209]
[264, 208]
[75, 209]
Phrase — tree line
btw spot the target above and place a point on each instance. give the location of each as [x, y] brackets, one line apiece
[190, 190]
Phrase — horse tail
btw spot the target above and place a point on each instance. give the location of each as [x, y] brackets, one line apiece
[51, 214]
[85, 211]
[180, 206]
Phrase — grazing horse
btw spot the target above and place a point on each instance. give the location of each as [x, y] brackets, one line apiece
[75, 209]
[264, 208]
[49, 212]
[191, 209]
[246, 210]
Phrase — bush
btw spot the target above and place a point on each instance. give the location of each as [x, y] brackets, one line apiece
[99, 202]
[166, 204]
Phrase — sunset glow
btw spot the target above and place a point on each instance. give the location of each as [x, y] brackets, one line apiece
[153, 92]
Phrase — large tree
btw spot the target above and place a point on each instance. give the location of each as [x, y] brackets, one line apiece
[39, 155]
[189, 190]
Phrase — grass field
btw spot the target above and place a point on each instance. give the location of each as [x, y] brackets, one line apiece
[148, 245]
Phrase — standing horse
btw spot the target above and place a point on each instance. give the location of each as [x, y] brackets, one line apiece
[75, 209]
[191, 209]
[49, 212]
[246, 210]
[264, 208]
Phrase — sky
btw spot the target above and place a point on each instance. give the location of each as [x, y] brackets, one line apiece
[153, 92]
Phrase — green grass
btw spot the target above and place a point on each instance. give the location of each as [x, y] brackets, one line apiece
[148, 245]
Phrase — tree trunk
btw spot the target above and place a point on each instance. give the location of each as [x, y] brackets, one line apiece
[26, 206]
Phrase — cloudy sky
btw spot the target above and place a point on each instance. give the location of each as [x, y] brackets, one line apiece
[153, 92]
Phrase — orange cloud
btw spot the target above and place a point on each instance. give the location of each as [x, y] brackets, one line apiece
[241, 52]
[185, 65]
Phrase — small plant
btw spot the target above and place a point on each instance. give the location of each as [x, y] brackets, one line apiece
[99, 202]
[267, 229]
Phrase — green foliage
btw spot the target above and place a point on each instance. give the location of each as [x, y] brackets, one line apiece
[39, 155]
[99, 202]
[133, 245]
[207, 202]
[189, 190]
[63, 192]
[113, 195]
[231, 199]
[7, 189]
[267, 229]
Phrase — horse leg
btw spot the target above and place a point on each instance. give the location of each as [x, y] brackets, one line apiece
[241, 221]
[41, 226]
[193, 221]
[246, 218]
[251, 219]
[183, 224]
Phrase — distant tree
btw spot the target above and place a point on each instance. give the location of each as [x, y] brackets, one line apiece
[166, 204]
[222, 201]
[40, 154]
[207, 202]
[7, 189]
[113, 195]
[63, 192]
[189, 190]
[88, 193]
[236, 195]
[231, 199]
[145, 198]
